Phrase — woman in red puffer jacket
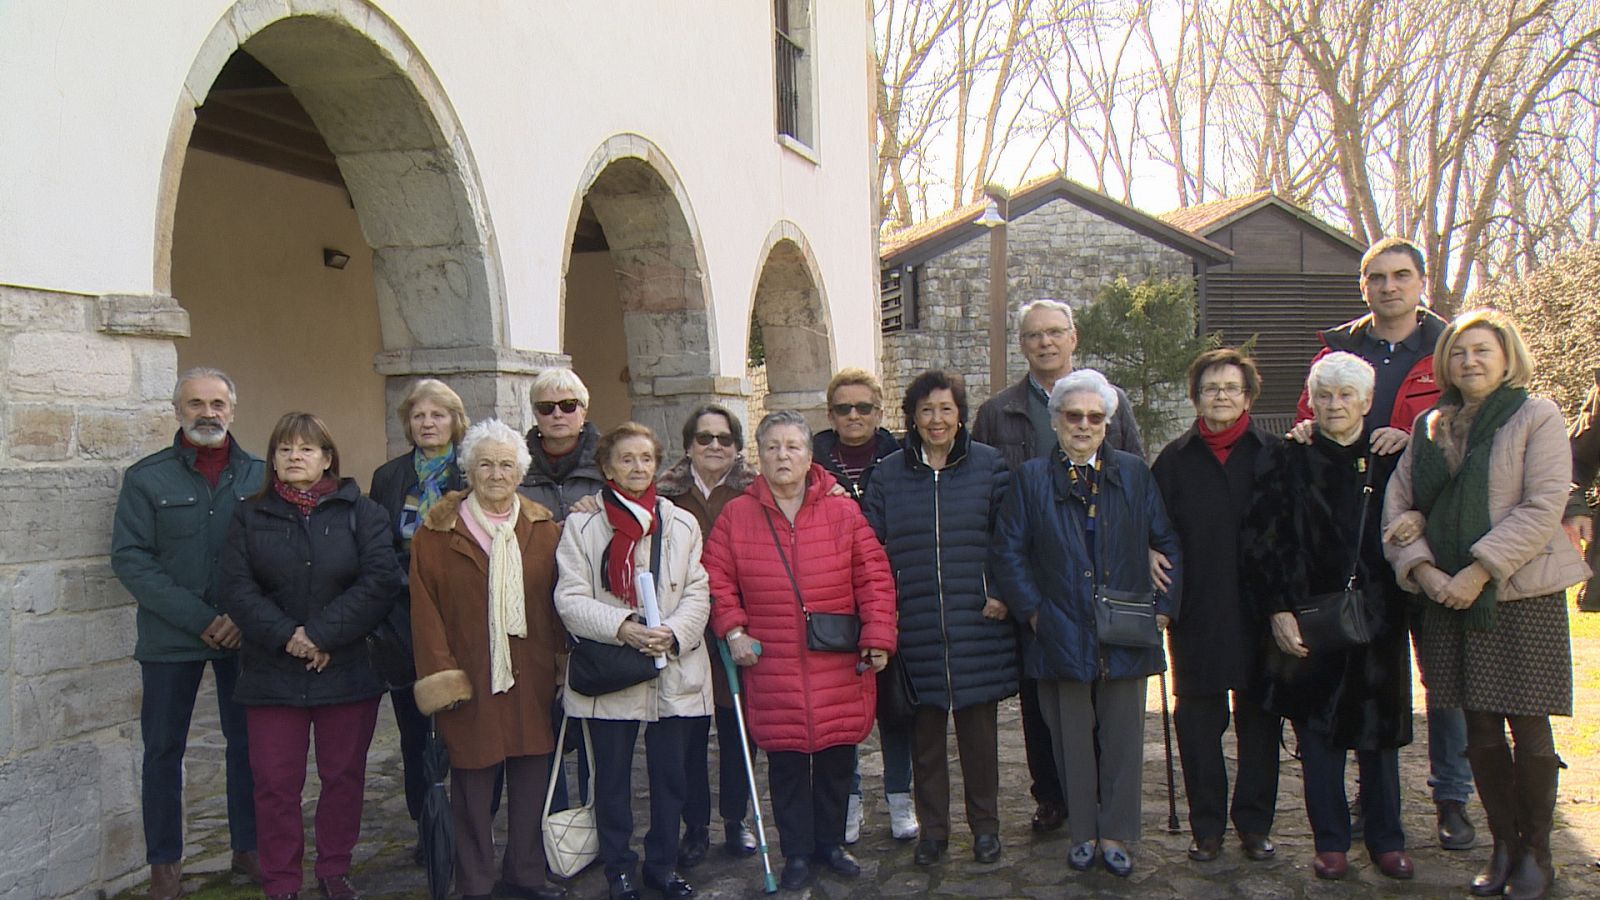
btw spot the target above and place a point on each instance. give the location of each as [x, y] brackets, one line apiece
[807, 708]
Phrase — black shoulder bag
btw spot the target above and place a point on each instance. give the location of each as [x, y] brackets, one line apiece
[828, 632]
[595, 668]
[1340, 619]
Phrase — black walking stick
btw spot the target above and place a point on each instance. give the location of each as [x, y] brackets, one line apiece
[1166, 732]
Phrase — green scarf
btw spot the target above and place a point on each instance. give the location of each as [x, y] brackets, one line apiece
[1457, 506]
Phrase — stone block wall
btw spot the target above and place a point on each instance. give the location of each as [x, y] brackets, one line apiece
[87, 390]
[1059, 250]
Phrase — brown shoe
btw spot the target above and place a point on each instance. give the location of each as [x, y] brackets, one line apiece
[1048, 816]
[166, 881]
[1330, 865]
[1257, 847]
[246, 862]
[1205, 849]
[1395, 864]
[337, 888]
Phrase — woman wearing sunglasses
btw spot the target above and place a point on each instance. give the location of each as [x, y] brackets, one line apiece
[712, 472]
[562, 443]
[1077, 524]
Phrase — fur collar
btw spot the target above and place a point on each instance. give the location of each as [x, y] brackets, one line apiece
[442, 515]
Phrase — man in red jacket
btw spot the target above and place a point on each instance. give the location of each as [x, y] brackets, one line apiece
[1397, 337]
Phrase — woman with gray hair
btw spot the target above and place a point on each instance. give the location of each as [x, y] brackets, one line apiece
[1313, 521]
[798, 569]
[1071, 547]
[490, 650]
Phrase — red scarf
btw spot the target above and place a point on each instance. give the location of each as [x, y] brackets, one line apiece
[209, 461]
[306, 500]
[1221, 442]
[624, 512]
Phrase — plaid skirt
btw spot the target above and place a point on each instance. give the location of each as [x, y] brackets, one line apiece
[1520, 667]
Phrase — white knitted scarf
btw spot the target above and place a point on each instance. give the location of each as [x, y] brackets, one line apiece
[508, 615]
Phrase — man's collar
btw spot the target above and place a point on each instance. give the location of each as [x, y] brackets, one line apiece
[1412, 341]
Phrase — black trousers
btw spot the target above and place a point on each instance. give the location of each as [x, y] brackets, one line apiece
[1201, 720]
[413, 727]
[1322, 768]
[1037, 743]
[733, 789]
[666, 747]
[809, 792]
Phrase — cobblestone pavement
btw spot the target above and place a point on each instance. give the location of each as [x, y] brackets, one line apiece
[1032, 866]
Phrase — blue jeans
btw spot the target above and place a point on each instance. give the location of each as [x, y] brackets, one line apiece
[164, 713]
[1449, 772]
[895, 742]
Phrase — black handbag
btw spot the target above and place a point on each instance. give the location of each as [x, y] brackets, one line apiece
[1340, 619]
[595, 668]
[1125, 618]
[897, 696]
[827, 632]
[389, 649]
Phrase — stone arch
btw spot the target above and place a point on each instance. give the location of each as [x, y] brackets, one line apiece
[662, 295]
[411, 178]
[789, 303]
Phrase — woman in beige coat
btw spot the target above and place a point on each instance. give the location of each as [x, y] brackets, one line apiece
[599, 556]
[1472, 520]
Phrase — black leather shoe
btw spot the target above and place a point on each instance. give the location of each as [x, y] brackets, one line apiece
[620, 887]
[694, 846]
[1257, 847]
[840, 861]
[542, 892]
[670, 884]
[1455, 831]
[986, 848]
[1205, 849]
[928, 851]
[741, 841]
[796, 873]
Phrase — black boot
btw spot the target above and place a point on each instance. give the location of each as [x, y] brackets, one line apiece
[1491, 769]
[1536, 806]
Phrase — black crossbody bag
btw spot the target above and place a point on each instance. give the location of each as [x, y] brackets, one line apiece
[828, 632]
[1340, 619]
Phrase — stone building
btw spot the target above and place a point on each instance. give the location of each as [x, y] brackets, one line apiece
[1063, 241]
[331, 198]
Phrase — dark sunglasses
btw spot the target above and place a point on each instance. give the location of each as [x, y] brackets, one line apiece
[548, 407]
[843, 409]
[1074, 417]
[704, 438]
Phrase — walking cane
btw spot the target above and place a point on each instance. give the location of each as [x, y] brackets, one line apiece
[1166, 731]
[769, 884]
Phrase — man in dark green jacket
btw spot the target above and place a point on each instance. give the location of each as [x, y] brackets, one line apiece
[171, 523]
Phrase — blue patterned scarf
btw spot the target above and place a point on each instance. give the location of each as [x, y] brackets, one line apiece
[433, 477]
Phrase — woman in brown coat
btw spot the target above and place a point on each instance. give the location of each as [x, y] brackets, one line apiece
[489, 651]
[1472, 519]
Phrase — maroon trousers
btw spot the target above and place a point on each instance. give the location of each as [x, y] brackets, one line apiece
[279, 738]
[472, 796]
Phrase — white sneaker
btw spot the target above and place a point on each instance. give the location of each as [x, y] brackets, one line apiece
[903, 817]
[852, 820]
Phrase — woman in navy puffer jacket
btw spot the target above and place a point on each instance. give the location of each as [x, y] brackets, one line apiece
[933, 504]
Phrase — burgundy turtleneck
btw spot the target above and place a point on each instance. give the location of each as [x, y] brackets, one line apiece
[209, 461]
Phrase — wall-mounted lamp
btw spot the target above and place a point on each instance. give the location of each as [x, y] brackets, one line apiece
[991, 216]
[335, 259]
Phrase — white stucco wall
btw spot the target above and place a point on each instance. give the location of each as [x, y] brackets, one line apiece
[89, 92]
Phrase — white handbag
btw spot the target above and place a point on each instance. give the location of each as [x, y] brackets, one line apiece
[571, 837]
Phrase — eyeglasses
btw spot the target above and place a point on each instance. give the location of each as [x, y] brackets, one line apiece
[1054, 334]
[1075, 417]
[548, 407]
[704, 438]
[1213, 391]
[843, 409]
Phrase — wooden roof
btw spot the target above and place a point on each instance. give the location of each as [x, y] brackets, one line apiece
[1213, 216]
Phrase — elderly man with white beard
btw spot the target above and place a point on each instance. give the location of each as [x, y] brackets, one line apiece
[171, 523]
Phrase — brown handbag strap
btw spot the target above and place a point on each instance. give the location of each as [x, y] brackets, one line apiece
[785, 560]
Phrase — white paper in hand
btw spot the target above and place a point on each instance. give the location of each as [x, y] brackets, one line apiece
[644, 587]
